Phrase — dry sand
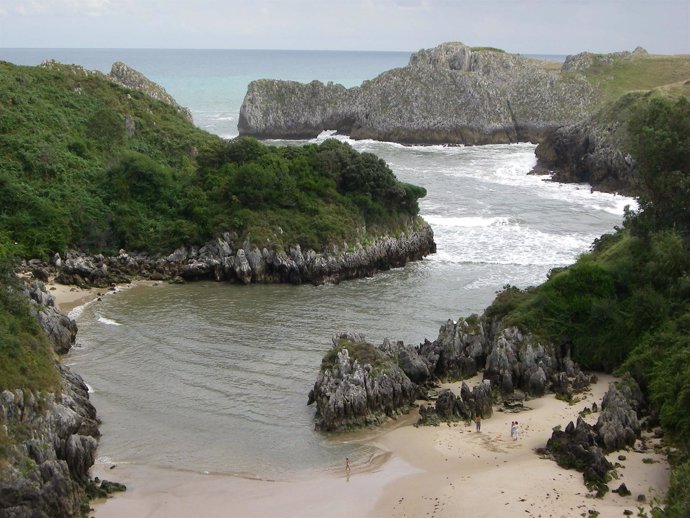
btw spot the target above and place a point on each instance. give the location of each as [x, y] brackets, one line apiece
[444, 471]
[69, 297]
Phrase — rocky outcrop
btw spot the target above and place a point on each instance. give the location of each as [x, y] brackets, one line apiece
[465, 406]
[583, 446]
[359, 385]
[49, 438]
[221, 260]
[58, 327]
[57, 438]
[126, 76]
[595, 150]
[510, 360]
[585, 60]
[618, 426]
[450, 94]
[519, 361]
[577, 448]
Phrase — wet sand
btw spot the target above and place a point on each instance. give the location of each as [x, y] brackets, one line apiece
[444, 471]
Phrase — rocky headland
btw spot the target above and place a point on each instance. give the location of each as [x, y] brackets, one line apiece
[451, 94]
[222, 260]
[49, 439]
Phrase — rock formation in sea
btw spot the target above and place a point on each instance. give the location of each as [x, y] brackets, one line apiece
[511, 362]
[221, 260]
[451, 94]
[50, 439]
[359, 385]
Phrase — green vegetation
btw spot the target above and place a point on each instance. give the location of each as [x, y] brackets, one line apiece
[618, 76]
[626, 305]
[26, 357]
[489, 49]
[365, 353]
[85, 163]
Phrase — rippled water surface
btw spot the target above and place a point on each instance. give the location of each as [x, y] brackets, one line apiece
[214, 377]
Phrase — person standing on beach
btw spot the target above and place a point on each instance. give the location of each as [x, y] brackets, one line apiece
[347, 465]
[517, 431]
[478, 422]
[513, 430]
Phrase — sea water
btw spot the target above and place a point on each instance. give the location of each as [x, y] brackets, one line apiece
[214, 377]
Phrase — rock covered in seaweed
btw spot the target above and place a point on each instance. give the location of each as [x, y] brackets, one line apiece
[359, 385]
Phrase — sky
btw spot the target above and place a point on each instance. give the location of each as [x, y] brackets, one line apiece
[520, 26]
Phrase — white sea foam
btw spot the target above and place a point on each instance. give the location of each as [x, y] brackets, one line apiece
[502, 240]
[89, 388]
[107, 321]
[469, 221]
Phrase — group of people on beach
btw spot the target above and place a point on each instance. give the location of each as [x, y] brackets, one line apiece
[514, 430]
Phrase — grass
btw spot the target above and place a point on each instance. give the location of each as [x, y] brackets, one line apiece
[364, 353]
[640, 73]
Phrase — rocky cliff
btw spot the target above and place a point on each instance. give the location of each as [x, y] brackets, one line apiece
[595, 150]
[48, 439]
[450, 94]
[511, 362]
[221, 260]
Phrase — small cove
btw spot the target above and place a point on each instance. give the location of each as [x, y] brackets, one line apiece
[212, 377]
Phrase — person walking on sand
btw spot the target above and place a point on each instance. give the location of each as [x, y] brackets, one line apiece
[517, 431]
[347, 465]
[478, 422]
[513, 430]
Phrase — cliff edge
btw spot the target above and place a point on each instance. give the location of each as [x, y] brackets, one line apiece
[450, 94]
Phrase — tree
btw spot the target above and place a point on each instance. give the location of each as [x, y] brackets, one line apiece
[661, 142]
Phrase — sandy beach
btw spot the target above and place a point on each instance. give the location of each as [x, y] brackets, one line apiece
[444, 471]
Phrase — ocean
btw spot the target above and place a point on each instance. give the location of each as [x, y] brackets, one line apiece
[210, 377]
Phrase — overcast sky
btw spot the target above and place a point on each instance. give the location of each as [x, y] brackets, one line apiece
[524, 26]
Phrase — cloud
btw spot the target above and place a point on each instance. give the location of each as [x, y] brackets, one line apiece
[64, 7]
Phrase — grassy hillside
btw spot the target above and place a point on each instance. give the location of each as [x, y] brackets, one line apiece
[89, 164]
[617, 76]
[626, 305]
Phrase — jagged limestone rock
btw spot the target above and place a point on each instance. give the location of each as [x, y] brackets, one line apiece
[618, 425]
[359, 385]
[126, 76]
[449, 94]
[221, 260]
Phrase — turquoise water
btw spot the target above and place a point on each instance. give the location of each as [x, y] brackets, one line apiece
[214, 377]
[212, 83]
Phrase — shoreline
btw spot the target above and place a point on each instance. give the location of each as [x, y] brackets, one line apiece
[442, 471]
